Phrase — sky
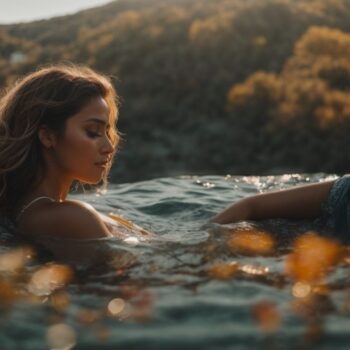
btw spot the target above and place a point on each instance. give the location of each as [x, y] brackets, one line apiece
[12, 11]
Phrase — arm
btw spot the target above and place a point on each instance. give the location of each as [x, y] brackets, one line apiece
[302, 202]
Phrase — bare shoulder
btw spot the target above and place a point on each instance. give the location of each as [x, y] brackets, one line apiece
[69, 219]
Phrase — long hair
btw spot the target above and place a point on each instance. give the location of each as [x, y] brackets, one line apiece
[47, 97]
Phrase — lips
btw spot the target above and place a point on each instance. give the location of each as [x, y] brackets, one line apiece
[102, 164]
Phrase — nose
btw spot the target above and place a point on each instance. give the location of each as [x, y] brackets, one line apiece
[107, 146]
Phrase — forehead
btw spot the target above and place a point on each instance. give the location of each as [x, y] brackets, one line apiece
[97, 107]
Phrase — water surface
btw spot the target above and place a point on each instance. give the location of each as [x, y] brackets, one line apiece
[167, 293]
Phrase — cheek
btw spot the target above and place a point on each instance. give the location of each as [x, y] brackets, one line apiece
[81, 144]
[77, 149]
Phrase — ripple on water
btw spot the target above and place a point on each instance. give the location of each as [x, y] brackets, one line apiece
[166, 293]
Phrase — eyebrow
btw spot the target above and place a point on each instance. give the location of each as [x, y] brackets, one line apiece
[99, 121]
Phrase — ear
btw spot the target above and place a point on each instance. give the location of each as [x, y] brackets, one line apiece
[46, 136]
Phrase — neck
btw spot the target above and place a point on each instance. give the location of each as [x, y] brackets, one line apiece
[52, 188]
[56, 182]
[54, 185]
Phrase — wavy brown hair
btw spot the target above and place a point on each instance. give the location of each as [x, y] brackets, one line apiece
[47, 97]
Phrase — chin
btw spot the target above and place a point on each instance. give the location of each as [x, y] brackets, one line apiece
[91, 181]
[92, 178]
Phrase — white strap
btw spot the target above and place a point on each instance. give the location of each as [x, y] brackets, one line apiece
[31, 203]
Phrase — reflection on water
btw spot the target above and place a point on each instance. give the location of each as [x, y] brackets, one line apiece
[272, 284]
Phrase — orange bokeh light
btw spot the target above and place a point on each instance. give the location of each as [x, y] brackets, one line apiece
[251, 242]
[312, 257]
[223, 271]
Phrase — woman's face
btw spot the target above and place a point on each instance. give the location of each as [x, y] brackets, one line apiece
[85, 149]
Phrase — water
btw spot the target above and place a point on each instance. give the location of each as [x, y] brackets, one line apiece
[160, 294]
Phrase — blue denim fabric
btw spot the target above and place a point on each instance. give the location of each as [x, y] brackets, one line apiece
[336, 209]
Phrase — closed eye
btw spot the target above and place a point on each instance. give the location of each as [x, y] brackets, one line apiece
[93, 134]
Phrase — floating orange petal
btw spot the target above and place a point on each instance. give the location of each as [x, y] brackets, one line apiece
[251, 242]
[223, 271]
[312, 257]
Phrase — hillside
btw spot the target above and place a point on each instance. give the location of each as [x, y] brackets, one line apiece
[225, 86]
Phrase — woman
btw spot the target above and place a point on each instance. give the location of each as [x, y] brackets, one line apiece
[57, 126]
[329, 201]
